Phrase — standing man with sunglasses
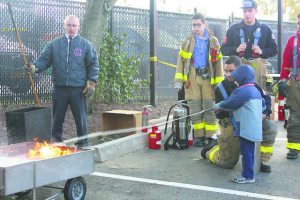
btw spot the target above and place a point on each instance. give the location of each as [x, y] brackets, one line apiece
[253, 42]
[199, 69]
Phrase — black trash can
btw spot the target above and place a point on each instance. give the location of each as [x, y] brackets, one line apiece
[24, 125]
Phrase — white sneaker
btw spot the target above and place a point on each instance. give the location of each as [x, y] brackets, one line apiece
[240, 179]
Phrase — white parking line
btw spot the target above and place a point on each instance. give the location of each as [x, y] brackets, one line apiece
[190, 186]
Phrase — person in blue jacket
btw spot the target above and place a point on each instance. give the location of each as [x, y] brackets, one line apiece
[246, 104]
[75, 68]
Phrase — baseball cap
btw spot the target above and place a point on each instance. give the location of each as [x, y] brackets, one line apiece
[249, 4]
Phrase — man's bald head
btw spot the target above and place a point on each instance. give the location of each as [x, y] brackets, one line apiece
[71, 25]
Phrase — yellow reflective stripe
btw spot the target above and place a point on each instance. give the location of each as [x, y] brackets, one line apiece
[219, 56]
[213, 152]
[199, 126]
[216, 80]
[185, 54]
[264, 149]
[209, 127]
[269, 80]
[181, 76]
[219, 79]
[295, 146]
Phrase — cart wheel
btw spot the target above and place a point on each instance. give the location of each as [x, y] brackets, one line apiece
[23, 193]
[75, 189]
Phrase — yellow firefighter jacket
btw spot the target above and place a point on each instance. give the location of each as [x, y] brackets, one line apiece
[214, 59]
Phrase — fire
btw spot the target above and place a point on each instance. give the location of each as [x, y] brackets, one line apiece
[45, 150]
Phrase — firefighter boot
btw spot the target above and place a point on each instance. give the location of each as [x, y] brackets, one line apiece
[208, 147]
[292, 154]
[264, 167]
[200, 142]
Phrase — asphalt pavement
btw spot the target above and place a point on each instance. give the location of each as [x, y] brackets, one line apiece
[161, 175]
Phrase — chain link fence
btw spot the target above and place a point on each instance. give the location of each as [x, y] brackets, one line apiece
[40, 21]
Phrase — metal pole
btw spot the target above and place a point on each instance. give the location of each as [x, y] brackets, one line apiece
[153, 46]
[279, 28]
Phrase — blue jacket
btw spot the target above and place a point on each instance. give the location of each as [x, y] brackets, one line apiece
[246, 101]
[70, 70]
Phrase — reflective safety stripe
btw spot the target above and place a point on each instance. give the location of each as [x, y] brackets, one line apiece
[295, 146]
[181, 76]
[264, 149]
[216, 80]
[185, 54]
[213, 152]
[219, 56]
[269, 80]
[209, 127]
[219, 79]
[295, 56]
[199, 126]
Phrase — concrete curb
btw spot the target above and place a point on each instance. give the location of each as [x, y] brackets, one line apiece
[120, 147]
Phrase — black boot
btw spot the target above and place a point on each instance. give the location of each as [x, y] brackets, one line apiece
[264, 167]
[208, 147]
[200, 142]
[292, 154]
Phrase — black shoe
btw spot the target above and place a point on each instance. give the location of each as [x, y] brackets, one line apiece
[265, 168]
[211, 143]
[285, 124]
[200, 142]
[292, 154]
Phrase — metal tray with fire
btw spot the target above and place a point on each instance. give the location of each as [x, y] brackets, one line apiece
[29, 165]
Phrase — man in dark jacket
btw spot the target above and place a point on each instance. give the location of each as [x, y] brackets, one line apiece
[253, 42]
[226, 153]
[75, 69]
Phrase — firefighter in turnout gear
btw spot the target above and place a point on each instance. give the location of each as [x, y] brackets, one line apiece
[289, 86]
[199, 69]
[253, 42]
[227, 152]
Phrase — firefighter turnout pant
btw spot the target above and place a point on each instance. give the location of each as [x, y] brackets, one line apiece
[199, 94]
[293, 100]
[226, 154]
[270, 130]
[261, 71]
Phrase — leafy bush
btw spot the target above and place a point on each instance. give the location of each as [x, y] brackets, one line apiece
[119, 79]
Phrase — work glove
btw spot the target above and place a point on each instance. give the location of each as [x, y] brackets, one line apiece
[30, 68]
[269, 86]
[89, 88]
[178, 86]
[282, 88]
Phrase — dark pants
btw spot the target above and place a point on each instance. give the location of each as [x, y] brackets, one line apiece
[62, 98]
[247, 150]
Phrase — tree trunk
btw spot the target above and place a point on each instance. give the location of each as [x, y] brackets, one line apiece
[95, 20]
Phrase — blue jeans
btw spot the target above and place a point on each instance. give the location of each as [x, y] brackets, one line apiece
[247, 150]
[62, 98]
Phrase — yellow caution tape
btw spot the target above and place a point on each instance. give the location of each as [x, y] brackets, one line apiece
[155, 59]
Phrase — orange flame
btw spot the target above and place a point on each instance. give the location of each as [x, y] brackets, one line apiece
[45, 150]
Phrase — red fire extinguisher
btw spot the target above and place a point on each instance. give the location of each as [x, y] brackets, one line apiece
[145, 118]
[280, 108]
[154, 138]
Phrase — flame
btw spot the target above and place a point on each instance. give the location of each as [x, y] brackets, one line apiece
[45, 150]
